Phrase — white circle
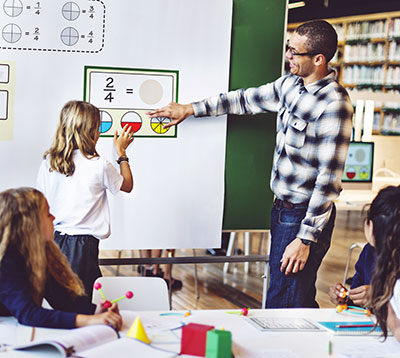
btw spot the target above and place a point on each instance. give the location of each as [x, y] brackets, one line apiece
[360, 155]
[151, 91]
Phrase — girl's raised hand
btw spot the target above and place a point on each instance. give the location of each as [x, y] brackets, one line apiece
[122, 142]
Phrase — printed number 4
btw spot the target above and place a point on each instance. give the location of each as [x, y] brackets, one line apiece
[109, 97]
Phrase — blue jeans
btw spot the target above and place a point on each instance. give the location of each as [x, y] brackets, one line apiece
[294, 290]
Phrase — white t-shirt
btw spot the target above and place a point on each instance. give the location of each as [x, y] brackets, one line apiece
[79, 202]
[395, 300]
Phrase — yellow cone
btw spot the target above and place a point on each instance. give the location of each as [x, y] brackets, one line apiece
[137, 331]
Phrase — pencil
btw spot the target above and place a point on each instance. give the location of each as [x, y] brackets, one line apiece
[354, 325]
[330, 348]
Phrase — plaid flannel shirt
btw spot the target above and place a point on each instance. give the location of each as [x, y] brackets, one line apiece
[314, 125]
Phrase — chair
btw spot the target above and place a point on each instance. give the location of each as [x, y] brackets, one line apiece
[149, 293]
[351, 248]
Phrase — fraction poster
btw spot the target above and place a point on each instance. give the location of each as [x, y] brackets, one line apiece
[53, 26]
[7, 86]
[359, 162]
[124, 96]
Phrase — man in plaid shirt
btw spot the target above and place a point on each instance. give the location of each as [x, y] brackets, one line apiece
[313, 132]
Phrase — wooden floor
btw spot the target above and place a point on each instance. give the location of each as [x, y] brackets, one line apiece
[236, 289]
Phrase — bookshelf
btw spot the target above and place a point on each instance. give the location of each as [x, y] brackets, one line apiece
[368, 60]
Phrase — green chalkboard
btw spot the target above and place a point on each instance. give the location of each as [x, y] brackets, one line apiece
[256, 58]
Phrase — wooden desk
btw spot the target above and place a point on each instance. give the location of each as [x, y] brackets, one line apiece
[247, 341]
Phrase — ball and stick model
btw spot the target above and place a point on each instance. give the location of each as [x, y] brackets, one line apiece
[243, 312]
[351, 309]
[107, 304]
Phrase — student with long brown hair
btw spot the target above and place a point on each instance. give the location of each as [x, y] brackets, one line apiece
[383, 225]
[75, 180]
[32, 267]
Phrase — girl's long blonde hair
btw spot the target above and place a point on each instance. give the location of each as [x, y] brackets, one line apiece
[20, 229]
[78, 128]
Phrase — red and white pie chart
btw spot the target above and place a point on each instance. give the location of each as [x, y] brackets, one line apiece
[133, 120]
[351, 173]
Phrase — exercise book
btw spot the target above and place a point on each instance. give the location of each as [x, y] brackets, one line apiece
[363, 328]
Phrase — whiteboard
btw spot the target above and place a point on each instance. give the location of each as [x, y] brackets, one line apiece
[45, 49]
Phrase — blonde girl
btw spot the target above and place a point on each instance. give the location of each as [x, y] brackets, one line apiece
[75, 180]
[32, 267]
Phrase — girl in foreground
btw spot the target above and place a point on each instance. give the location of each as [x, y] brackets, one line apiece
[383, 225]
[32, 267]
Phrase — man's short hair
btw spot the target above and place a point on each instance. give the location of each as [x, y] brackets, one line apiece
[321, 37]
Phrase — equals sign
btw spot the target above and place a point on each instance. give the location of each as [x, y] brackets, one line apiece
[129, 91]
[27, 33]
[82, 36]
[28, 7]
[83, 11]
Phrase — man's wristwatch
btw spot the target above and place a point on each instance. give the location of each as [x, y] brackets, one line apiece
[306, 242]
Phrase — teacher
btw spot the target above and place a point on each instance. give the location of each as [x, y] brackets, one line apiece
[313, 132]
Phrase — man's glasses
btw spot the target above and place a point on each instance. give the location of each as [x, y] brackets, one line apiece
[293, 52]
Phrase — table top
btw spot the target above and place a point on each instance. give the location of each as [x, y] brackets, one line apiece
[354, 200]
[248, 341]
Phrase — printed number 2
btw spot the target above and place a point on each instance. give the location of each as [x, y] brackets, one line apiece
[110, 88]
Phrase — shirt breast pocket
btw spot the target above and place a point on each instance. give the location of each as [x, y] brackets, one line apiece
[296, 132]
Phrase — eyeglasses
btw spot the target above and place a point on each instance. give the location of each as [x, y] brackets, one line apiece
[293, 52]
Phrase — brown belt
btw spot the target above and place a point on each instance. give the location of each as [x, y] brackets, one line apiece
[287, 204]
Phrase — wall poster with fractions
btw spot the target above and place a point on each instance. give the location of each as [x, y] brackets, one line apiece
[7, 86]
[124, 96]
[127, 57]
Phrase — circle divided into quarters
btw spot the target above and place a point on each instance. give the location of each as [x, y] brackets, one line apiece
[133, 120]
[157, 124]
[105, 122]
[70, 11]
[13, 8]
[11, 33]
[69, 36]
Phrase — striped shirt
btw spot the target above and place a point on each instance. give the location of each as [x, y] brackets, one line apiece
[314, 125]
